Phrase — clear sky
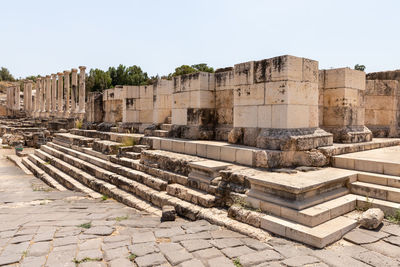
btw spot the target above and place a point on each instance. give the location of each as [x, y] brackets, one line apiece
[43, 37]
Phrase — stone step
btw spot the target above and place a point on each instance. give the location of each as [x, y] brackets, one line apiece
[106, 147]
[86, 150]
[382, 161]
[140, 148]
[190, 195]
[376, 191]
[42, 175]
[166, 127]
[168, 120]
[314, 215]
[381, 179]
[44, 162]
[103, 169]
[132, 155]
[388, 207]
[74, 139]
[116, 137]
[160, 133]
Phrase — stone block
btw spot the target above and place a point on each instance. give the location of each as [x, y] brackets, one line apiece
[245, 116]
[244, 73]
[194, 82]
[245, 156]
[287, 116]
[166, 144]
[344, 78]
[146, 91]
[201, 150]
[178, 146]
[146, 116]
[246, 95]
[224, 79]
[181, 100]
[190, 148]
[179, 116]
[280, 69]
[213, 152]
[224, 98]
[291, 92]
[224, 115]
[310, 70]
[131, 91]
[228, 153]
[202, 99]
[264, 116]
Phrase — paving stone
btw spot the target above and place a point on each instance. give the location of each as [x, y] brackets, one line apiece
[255, 244]
[121, 262]
[393, 229]
[90, 244]
[57, 242]
[300, 261]
[192, 263]
[10, 259]
[39, 249]
[177, 256]
[27, 231]
[150, 260]
[259, 257]
[376, 259]
[21, 239]
[360, 237]
[95, 264]
[142, 222]
[109, 246]
[187, 225]
[72, 248]
[193, 245]
[169, 232]
[220, 262]
[202, 235]
[225, 234]
[116, 238]
[94, 254]
[47, 236]
[208, 253]
[233, 252]
[15, 249]
[289, 251]
[6, 234]
[68, 231]
[61, 258]
[337, 260]
[166, 247]
[349, 250]
[394, 240]
[143, 237]
[100, 230]
[278, 264]
[143, 248]
[226, 242]
[116, 253]
[33, 261]
[385, 249]
[198, 229]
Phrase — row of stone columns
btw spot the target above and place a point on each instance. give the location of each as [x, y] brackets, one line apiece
[13, 98]
[55, 97]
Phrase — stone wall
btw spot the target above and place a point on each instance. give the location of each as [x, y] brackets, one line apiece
[94, 108]
[112, 104]
[224, 88]
[382, 107]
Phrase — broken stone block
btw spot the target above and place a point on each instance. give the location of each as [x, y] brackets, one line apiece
[168, 213]
[371, 218]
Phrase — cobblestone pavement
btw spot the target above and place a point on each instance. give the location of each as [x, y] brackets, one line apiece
[41, 227]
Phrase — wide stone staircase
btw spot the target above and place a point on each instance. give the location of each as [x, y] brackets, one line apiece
[219, 183]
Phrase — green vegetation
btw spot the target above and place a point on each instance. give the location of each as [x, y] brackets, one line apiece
[359, 67]
[394, 218]
[186, 69]
[84, 260]
[104, 197]
[127, 141]
[239, 201]
[78, 124]
[236, 262]
[132, 257]
[5, 75]
[98, 80]
[118, 219]
[85, 225]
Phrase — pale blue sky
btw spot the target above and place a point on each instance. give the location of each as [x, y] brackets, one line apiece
[43, 37]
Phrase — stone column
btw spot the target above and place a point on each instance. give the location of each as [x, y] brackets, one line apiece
[29, 97]
[66, 94]
[24, 83]
[82, 89]
[74, 90]
[38, 99]
[48, 95]
[17, 94]
[60, 94]
[54, 93]
[42, 97]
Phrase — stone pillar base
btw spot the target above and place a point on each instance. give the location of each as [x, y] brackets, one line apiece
[350, 134]
[281, 139]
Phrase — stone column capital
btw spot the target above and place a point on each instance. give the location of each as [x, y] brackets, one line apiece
[53, 75]
[29, 81]
[60, 73]
[39, 79]
[66, 72]
[74, 70]
[82, 68]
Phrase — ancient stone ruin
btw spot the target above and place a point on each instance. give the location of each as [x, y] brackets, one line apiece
[275, 144]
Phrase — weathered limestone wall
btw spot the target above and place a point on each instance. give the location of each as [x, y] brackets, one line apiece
[276, 104]
[130, 108]
[94, 108]
[145, 105]
[193, 105]
[224, 87]
[162, 101]
[112, 104]
[344, 105]
[382, 107]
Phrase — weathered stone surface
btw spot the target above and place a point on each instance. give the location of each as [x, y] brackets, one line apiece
[300, 261]
[142, 249]
[371, 218]
[376, 259]
[100, 230]
[193, 245]
[168, 213]
[259, 257]
[150, 260]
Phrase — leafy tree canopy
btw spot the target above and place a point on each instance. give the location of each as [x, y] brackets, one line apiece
[98, 80]
[127, 75]
[5, 75]
[359, 67]
[186, 69]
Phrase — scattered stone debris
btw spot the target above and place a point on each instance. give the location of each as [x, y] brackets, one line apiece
[284, 170]
[372, 218]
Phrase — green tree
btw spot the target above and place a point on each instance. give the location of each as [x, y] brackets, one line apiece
[186, 69]
[5, 75]
[127, 75]
[98, 80]
[359, 67]
[203, 67]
